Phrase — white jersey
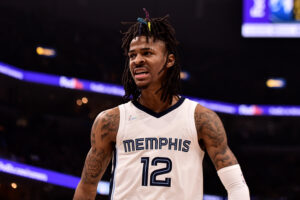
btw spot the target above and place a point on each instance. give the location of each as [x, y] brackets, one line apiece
[157, 155]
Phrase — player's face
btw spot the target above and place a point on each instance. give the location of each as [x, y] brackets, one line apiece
[147, 60]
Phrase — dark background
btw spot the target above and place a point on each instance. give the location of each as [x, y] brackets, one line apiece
[43, 126]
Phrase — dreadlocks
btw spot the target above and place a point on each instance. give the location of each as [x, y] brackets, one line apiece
[160, 29]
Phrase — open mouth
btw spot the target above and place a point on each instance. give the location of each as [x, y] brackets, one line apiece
[141, 75]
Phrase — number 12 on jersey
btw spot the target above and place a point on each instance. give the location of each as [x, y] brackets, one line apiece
[155, 173]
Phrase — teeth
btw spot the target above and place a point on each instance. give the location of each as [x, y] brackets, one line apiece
[141, 73]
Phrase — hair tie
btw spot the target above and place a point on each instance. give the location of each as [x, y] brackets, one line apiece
[148, 19]
[149, 26]
[141, 20]
[147, 22]
[147, 14]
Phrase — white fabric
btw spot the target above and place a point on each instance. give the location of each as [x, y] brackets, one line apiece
[137, 126]
[234, 182]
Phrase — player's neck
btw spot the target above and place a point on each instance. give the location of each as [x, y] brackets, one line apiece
[153, 101]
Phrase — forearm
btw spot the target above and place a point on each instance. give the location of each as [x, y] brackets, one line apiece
[233, 180]
[85, 191]
[93, 170]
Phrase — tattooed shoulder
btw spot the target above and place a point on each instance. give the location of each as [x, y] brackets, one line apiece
[209, 124]
[106, 125]
[211, 132]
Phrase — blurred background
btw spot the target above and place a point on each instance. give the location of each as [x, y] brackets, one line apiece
[61, 64]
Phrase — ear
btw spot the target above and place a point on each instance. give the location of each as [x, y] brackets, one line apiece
[171, 60]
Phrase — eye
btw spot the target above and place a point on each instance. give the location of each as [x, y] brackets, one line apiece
[132, 55]
[147, 53]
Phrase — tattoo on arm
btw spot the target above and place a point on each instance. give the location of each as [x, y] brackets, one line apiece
[107, 124]
[95, 165]
[110, 124]
[103, 135]
[211, 131]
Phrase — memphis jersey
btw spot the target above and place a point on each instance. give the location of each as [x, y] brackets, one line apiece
[157, 155]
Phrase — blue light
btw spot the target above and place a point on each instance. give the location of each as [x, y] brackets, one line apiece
[117, 90]
[11, 71]
[47, 176]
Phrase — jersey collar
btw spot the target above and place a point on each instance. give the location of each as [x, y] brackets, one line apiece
[160, 114]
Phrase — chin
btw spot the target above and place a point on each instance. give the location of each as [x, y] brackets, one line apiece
[142, 86]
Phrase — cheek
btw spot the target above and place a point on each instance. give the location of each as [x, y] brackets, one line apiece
[130, 67]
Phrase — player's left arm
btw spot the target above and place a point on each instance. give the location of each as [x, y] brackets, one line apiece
[211, 131]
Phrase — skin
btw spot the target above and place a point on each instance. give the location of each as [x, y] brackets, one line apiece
[103, 137]
[150, 57]
[212, 135]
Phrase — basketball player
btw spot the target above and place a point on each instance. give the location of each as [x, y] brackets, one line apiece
[154, 138]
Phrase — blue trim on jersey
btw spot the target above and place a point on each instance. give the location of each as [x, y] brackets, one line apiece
[112, 179]
[160, 114]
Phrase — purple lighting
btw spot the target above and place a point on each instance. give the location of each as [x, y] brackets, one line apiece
[47, 176]
[268, 18]
[117, 90]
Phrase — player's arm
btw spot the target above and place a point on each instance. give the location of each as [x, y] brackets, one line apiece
[211, 131]
[103, 137]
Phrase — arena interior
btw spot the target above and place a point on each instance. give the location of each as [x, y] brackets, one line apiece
[61, 63]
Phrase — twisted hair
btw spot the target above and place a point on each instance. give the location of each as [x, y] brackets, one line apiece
[161, 29]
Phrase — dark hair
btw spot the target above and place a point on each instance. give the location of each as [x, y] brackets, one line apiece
[161, 29]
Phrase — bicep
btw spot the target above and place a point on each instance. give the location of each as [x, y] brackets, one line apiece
[102, 138]
[210, 129]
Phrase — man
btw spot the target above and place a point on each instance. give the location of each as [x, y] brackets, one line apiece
[155, 137]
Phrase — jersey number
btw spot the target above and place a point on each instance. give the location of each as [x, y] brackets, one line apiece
[155, 173]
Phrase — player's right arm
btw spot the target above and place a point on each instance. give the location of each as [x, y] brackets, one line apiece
[103, 137]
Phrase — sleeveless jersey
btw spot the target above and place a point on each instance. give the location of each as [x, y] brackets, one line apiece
[157, 155]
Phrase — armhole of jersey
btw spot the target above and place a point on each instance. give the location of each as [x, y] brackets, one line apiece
[121, 123]
[191, 120]
[191, 117]
[115, 154]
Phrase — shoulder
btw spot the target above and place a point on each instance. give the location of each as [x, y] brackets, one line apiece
[110, 114]
[206, 120]
[202, 114]
[107, 123]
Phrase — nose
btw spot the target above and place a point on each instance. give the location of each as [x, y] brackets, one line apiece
[139, 59]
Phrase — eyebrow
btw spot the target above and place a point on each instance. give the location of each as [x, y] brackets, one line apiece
[143, 49]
